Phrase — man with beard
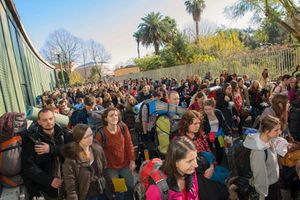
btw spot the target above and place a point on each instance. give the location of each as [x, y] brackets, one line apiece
[41, 161]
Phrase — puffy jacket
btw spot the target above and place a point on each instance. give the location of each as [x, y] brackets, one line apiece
[191, 185]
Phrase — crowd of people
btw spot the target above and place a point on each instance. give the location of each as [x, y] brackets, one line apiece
[82, 160]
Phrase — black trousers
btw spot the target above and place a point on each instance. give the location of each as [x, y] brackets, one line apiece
[274, 192]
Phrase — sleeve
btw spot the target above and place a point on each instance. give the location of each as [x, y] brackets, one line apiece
[30, 169]
[70, 179]
[153, 193]
[56, 149]
[259, 169]
[128, 144]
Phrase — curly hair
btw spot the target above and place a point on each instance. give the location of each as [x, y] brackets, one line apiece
[186, 120]
[105, 114]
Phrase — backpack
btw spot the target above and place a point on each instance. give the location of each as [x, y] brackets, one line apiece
[165, 128]
[74, 119]
[242, 156]
[150, 174]
[95, 120]
[11, 126]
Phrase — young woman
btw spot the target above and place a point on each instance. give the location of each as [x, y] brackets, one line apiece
[279, 109]
[179, 170]
[189, 126]
[264, 79]
[83, 169]
[214, 124]
[118, 149]
[225, 103]
[263, 159]
[256, 98]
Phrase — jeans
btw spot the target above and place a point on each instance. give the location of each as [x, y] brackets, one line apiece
[100, 197]
[127, 175]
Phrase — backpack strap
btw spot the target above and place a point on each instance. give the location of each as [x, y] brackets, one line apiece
[266, 154]
[122, 128]
[161, 183]
[103, 137]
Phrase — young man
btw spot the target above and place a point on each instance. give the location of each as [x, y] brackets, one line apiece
[41, 161]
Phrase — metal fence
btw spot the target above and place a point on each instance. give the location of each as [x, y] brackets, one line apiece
[278, 60]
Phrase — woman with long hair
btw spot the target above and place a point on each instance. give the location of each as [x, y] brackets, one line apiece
[279, 108]
[215, 127]
[83, 169]
[264, 80]
[263, 159]
[225, 103]
[179, 170]
[118, 148]
[190, 126]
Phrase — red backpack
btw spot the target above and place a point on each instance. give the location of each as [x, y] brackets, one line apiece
[11, 124]
[150, 174]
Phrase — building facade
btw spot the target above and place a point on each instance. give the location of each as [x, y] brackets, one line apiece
[24, 74]
[126, 70]
[85, 70]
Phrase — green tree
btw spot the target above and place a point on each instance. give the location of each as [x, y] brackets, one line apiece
[157, 30]
[75, 78]
[195, 7]
[285, 13]
[138, 36]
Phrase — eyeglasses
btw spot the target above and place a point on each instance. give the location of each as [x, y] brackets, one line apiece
[87, 136]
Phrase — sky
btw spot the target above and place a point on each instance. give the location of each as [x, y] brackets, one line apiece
[112, 22]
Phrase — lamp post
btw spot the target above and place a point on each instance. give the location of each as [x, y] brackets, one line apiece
[61, 72]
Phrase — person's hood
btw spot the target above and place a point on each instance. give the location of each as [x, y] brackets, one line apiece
[254, 142]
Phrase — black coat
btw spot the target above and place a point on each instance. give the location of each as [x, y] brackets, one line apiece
[222, 123]
[38, 171]
[294, 120]
[211, 190]
[223, 106]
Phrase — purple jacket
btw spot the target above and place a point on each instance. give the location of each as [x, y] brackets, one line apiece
[153, 192]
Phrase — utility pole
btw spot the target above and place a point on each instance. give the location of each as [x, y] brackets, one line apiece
[61, 72]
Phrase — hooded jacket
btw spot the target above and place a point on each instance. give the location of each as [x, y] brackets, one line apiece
[78, 173]
[265, 171]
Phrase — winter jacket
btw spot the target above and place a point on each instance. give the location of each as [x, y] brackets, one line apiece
[294, 120]
[191, 185]
[265, 172]
[222, 123]
[38, 171]
[78, 173]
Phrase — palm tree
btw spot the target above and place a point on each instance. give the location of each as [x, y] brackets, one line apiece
[195, 7]
[156, 30]
[138, 36]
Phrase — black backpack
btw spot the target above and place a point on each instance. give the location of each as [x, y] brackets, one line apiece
[242, 160]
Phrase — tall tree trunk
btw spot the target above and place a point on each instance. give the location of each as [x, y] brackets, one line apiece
[138, 49]
[156, 48]
[197, 31]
